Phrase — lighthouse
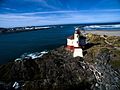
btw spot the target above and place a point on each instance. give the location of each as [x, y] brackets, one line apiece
[75, 43]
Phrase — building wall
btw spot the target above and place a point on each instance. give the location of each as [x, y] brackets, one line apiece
[78, 52]
[70, 42]
[76, 40]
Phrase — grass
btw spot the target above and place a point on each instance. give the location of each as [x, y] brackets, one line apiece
[115, 63]
[95, 38]
[115, 40]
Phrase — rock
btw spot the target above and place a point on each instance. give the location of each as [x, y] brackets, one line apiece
[53, 71]
[109, 78]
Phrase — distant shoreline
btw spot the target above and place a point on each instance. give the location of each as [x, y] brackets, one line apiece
[104, 32]
[21, 29]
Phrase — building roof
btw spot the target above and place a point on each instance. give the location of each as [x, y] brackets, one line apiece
[71, 37]
[78, 47]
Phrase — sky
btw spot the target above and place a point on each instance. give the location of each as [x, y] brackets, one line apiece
[15, 13]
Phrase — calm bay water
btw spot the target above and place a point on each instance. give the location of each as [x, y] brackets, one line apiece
[15, 44]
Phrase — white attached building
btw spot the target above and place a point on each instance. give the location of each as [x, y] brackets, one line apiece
[75, 43]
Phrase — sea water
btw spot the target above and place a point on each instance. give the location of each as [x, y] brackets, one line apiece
[13, 45]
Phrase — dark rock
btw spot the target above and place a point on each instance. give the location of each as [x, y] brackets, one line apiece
[53, 71]
[109, 78]
[58, 70]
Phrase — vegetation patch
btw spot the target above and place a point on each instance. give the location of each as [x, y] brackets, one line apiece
[95, 38]
[115, 63]
[115, 40]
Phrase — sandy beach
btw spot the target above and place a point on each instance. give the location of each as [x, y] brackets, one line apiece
[109, 33]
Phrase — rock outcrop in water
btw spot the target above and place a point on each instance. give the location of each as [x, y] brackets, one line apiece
[58, 70]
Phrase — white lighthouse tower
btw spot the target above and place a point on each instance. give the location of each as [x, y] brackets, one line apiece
[76, 38]
[75, 42]
[77, 49]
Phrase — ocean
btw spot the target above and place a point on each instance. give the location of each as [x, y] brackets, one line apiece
[13, 45]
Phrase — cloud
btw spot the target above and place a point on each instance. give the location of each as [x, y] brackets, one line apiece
[49, 12]
[9, 9]
[58, 17]
[44, 3]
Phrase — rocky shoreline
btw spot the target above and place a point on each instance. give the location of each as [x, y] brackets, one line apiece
[58, 70]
